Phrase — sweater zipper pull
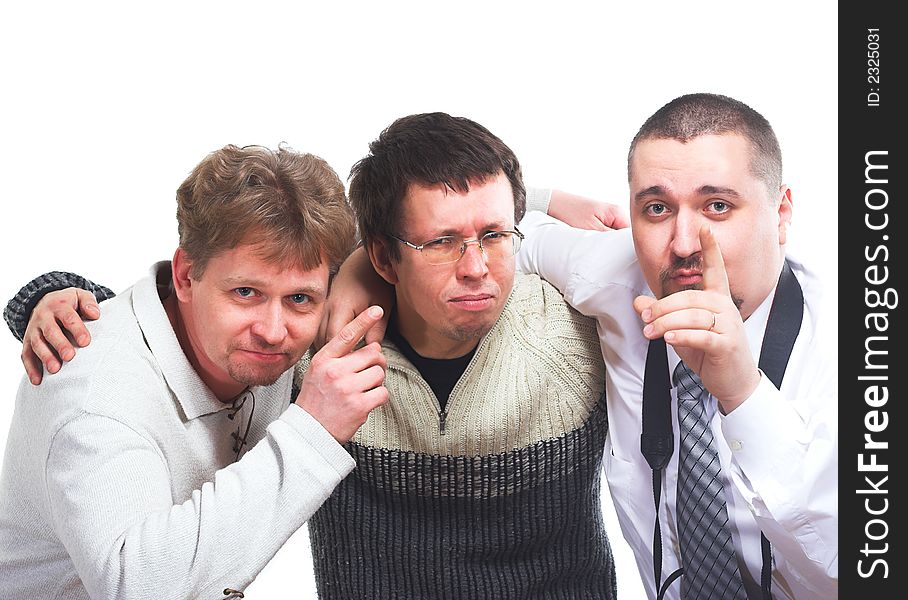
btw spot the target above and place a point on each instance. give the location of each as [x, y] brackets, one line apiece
[442, 417]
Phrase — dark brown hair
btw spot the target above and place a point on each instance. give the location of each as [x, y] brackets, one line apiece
[427, 149]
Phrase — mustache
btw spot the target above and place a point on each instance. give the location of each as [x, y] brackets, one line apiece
[258, 345]
[693, 262]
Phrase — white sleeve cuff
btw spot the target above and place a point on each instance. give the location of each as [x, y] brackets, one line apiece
[538, 199]
[318, 438]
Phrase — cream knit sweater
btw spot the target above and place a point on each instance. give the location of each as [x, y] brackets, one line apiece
[502, 502]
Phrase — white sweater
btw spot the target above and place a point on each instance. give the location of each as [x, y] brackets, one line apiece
[119, 478]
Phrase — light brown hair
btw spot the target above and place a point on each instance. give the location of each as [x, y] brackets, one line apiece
[290, 204]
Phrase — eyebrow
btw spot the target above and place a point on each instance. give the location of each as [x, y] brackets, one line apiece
[709, 190]
[704, 190]
[310, 290]
[492, 226]
[653, 190]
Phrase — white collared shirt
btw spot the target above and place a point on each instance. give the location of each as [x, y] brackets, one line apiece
[778, 450]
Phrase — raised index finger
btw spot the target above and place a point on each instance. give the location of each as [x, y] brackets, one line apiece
[714, 276]
[347, 338]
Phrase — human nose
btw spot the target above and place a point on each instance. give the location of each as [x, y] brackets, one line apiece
[686, 235]
[270, 324]
[472, 264]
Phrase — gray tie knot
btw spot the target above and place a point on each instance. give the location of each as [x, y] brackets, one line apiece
[689, 386]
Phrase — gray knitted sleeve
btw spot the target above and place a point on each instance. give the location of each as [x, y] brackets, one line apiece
[19, 309]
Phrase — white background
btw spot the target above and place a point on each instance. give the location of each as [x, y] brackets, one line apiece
[106, 107]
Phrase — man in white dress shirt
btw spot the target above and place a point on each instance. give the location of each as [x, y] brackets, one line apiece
[700, 267]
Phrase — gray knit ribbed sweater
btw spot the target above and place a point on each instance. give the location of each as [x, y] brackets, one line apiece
[497, 498]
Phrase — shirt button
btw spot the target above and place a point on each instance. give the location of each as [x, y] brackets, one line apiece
[736, 445]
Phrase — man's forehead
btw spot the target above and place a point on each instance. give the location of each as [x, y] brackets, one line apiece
[250, 265]
[491, 200]
[702, 165]
[460, 187]
[702, 154]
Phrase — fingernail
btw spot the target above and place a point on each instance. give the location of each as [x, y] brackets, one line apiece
[374, 311]
[669, 336]
[67, 354]
[83, 340]
[646, 315]
[648, 330]
[35, 380]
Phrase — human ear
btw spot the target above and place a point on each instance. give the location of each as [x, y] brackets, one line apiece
[181, 265]
[785, 209]
[379, 254]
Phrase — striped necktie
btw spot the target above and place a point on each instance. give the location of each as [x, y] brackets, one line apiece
[707, 553]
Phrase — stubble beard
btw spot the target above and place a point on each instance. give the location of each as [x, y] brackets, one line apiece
[250, 375]
[465, 333]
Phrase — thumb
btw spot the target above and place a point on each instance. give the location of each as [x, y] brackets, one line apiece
[88, 305]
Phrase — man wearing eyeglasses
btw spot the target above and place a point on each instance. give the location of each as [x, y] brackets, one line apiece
[479, 478]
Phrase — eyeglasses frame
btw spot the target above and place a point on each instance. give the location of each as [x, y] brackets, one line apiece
[463, 245]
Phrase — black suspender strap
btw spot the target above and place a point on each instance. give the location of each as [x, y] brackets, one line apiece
[657, 442]
[782, 330]
[657, 439]
[783, 326]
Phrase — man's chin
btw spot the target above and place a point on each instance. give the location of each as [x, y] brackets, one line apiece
[250, 376]
[465, 331]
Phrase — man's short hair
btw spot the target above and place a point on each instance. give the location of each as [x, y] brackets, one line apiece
[695, 115]
[427, 149]
[290, 204]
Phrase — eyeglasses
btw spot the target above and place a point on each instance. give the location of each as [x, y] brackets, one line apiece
[448, 249]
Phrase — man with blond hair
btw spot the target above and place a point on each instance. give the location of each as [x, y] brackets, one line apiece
[169, 460]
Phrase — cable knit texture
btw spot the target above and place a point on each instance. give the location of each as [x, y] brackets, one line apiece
[19, 309]
[496, 498]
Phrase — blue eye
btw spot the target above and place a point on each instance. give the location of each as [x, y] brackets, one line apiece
[244, 292]
[719, 206]
[656, 209]
[300, 298]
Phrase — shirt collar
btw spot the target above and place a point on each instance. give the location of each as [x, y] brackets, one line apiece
[194, 397]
